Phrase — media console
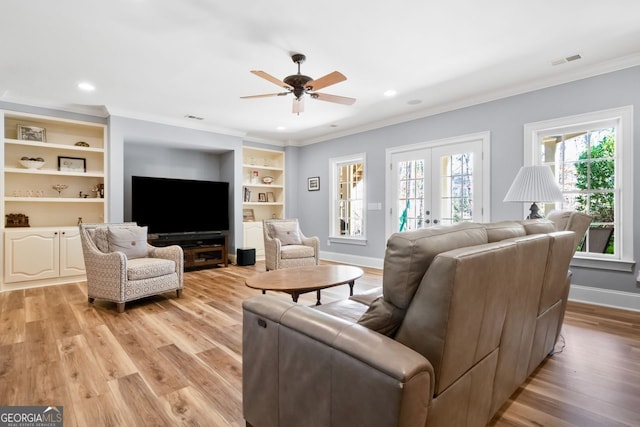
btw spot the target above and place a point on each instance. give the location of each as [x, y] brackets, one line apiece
[200, 249]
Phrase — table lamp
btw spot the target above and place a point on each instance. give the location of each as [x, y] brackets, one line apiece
[534, 184]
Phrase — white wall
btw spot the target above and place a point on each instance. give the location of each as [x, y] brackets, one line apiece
[505, 120]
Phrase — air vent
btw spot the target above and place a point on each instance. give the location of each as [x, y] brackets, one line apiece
[191, 116]
[567, 59]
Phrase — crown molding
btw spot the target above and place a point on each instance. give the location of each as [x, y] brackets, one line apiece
[538, 84]
[89, 110]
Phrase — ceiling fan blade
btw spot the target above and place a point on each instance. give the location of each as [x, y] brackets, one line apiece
[265, 95]
[333, 98]
[298, 106]
[272, 79]
[328, 80]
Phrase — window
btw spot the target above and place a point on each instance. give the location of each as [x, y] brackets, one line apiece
[348, 213]
[591, 158]
[456, 186]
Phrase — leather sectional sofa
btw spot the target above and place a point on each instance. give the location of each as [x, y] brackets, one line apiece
[465, 314]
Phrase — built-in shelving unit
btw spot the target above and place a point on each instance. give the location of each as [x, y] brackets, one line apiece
[262, 200]
[74, 156]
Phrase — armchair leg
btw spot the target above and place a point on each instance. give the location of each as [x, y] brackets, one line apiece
[120, 307]
[179, 292]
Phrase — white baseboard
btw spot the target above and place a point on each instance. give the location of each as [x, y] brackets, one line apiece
[605, 297]
[360, 261]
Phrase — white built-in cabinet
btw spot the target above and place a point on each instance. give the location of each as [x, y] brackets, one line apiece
[263, 187]
[253, 237]
[48, 249]
[59, 254]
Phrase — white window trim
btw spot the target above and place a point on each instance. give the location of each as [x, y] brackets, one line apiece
[622, 118]
[334, 162]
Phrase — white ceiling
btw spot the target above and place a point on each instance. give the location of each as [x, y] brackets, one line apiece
[163, 59]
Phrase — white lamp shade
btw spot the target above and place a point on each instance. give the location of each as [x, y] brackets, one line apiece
[534, 184]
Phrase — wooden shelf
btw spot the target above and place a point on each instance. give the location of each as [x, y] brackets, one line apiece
[53, 172]
[54, 146]
[54, 199]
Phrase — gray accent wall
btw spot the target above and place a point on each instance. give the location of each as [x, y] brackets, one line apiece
[505, 120]
[138, 147]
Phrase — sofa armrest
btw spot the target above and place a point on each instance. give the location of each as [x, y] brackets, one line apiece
[303, 367]
[314, 242]
[271, 252]
[106, 273]
[173, 253]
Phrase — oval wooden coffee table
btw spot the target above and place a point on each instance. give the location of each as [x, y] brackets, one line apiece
[300, 280]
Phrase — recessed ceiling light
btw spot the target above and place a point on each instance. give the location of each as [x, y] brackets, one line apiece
[390, 92]
[86, 86]
[333, 125]
[414, 102]
[280, 128]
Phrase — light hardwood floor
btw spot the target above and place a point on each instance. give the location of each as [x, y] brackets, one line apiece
[169, 361]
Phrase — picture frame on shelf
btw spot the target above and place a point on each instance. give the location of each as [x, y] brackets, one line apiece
[247, 195]
[262, 197]
[248, 215]
[271, 198]
[313, 183]
[32, 133]
[72, 164]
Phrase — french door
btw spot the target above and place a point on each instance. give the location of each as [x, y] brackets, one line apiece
[437, 184]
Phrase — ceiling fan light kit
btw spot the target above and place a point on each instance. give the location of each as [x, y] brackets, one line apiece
[299, 85]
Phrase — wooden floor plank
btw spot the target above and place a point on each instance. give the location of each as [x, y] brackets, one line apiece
[141, 405]
[189, 407]
[110, 357]
[171, 361]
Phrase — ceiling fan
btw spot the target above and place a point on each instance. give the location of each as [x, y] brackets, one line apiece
[299, 85]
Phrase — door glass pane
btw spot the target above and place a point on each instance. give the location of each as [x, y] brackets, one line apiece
[456, 188]
[410, 195]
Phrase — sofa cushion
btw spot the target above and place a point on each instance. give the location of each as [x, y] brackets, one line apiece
[538, 226]
[382, 317]
[501, 230]
[146, 268]
[101, 239]
[406, 260]
[296, 251]
[410, 253]
[346, 309]
[287, 232]
[132, 241]
[577, 222]
[368, 296]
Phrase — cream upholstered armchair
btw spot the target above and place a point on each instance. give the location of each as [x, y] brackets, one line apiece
[121, 266]
[285, 246]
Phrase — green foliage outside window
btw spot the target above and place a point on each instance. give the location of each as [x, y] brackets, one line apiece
[595, 172]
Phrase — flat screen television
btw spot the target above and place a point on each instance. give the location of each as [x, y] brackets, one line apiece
[169, 205]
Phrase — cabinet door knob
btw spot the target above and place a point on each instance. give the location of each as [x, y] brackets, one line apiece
[55, 233]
